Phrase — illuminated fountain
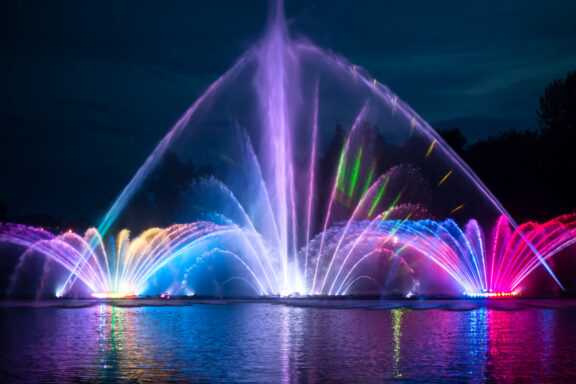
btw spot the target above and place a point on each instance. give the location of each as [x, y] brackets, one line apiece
[275, 201]
[483, 269]
[121, 270]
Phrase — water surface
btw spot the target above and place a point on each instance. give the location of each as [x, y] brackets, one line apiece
[265, 342]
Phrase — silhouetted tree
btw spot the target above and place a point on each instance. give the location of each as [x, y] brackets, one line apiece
[530, 172]
[455, 138]
[557, 118]
[159, 198]
[557, 112]
[510, 164]
[3, 211]
[331, 156]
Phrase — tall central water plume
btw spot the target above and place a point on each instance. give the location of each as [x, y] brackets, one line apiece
[303, 154]
[275, 68]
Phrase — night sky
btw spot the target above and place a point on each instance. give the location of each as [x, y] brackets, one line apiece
[89, 88]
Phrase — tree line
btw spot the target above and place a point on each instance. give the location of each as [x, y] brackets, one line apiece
[531, 172]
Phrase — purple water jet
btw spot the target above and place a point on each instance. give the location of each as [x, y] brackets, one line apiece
[300, 196]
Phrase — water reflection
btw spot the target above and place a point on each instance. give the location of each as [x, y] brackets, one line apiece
[286, 342]
[396, 334]
[478, 340]
[274, 343]
[534, 350]
[122, 353]
[107, 331]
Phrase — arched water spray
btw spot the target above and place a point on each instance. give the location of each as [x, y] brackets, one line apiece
[300, 208]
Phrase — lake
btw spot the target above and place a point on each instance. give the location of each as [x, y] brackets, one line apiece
[292, 341]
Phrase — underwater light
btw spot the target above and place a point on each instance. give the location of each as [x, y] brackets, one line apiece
[490, 294]
[113, 295]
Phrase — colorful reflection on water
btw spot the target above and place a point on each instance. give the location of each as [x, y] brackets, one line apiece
[260, 342]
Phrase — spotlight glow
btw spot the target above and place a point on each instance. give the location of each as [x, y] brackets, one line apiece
[113, 295]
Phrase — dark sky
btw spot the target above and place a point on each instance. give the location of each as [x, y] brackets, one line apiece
[89, 87]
